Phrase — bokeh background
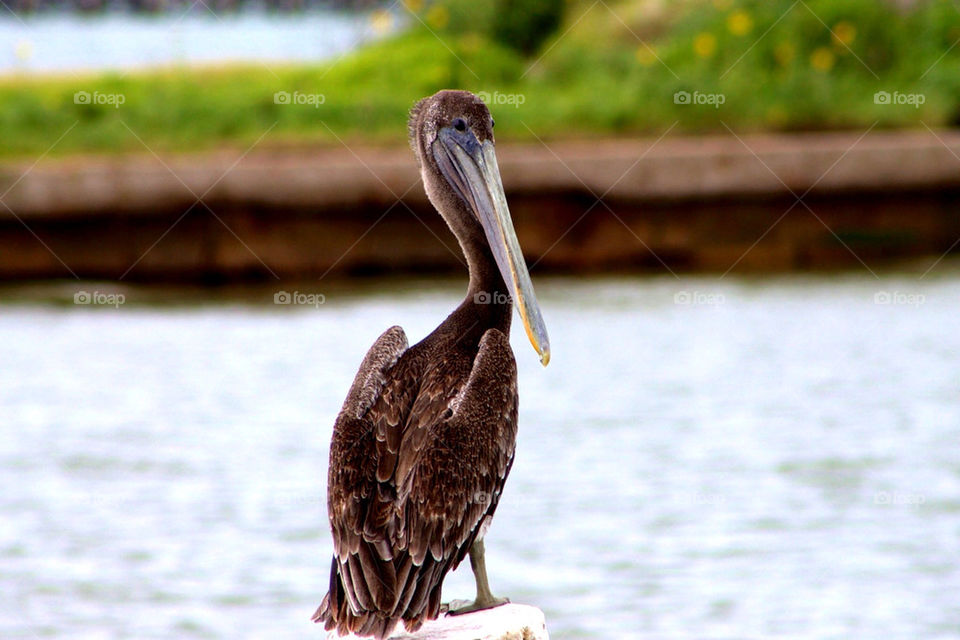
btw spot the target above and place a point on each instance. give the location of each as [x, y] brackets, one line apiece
[742, 221]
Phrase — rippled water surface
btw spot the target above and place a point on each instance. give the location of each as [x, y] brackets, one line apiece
[702, 458]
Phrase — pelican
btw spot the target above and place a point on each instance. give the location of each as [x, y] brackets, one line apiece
[425, 440]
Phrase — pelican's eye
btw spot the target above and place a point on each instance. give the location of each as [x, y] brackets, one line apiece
[460, 124]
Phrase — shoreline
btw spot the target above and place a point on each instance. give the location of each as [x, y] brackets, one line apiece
[683, 203]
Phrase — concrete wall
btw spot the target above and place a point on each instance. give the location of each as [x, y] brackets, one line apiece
[688, 203]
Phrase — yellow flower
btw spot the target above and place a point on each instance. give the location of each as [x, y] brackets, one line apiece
[413, 6]
[777, 116]
[471, 42]
[740, 23]
[23, 49]
[844, 33]
[704, 45]
[784, 53]
[646, 56]
[822, 59]
[381, 21]
[438, 16]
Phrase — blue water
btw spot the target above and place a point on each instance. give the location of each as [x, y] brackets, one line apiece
[68, 43]
[769, 458]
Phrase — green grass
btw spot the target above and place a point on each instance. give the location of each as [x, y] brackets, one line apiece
[815, 68]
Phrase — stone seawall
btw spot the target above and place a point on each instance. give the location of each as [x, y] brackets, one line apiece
[719, 203]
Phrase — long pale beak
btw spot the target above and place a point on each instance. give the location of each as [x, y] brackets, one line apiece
[471, 167]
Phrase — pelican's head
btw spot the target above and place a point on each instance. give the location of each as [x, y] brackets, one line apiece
[452, 134]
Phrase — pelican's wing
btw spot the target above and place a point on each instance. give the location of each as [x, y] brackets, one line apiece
[400, 525]
[450, 479]
[371, 377]
[353, 491]
[351, 480]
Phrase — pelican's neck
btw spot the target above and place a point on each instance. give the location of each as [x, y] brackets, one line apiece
[488, 299]
[484, 274]
[487, 304]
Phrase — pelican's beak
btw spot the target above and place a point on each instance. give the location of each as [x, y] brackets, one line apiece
[471, 168]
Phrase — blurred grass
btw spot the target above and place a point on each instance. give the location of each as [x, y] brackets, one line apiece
[609, 69]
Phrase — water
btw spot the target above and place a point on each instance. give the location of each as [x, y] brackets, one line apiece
[120, 41]
[777, 458]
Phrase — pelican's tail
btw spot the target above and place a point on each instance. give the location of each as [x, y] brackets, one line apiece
[366, 624]
[335, 613]
[386, 593]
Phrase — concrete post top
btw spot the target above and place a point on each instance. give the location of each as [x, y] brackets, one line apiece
[508, 622]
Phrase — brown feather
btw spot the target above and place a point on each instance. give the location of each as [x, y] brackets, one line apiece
[356, 584]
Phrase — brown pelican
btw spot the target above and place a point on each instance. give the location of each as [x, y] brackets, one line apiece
[425, 439]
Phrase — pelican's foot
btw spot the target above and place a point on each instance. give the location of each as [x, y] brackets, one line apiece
[460, 607]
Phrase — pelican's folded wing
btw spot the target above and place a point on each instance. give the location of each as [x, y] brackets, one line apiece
[454, 481]
[371, 377]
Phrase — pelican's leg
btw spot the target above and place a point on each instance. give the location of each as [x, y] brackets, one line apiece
[485, 599]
